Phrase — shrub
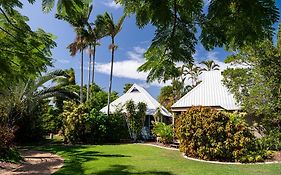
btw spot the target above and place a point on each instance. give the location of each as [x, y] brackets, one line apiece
[52, 121]
[209, 134]
[165, 132]
[102, 128]
[6, 137]
[117, 128]
[272, 140]
[7, 153]
[74, 122]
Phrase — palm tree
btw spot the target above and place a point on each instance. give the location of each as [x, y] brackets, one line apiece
[111, 29]
[95, 34]
[63, 6]
[79, 21]
[210, 65]
[193, 72]
[24, 97]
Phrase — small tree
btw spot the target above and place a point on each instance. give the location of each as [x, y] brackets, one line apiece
[135, 118]
[74, 122]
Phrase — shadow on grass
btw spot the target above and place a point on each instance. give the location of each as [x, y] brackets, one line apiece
[125, 170]
[75, 156]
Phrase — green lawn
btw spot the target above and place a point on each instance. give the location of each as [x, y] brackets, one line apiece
[141, 159]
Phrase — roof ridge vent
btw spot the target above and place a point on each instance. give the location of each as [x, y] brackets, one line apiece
[134, 90]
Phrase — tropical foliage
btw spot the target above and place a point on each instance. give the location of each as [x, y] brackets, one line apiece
[210, 65]
[24, 103]
[126, 87]
[163, 131]
[106, 23]
[106, 128]
[135, 117]
[209, 134]
[256, 85]
[74, 122]
[229, 24]
[24, 53]
[79, 21]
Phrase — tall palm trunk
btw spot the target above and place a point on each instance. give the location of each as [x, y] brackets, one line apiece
[89, 72]
[110, 79]
[81, 76]
[94, 60]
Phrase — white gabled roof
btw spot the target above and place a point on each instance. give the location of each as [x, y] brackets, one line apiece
[210, 92]
[137, 94]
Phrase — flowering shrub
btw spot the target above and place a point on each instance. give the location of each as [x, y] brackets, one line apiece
[209, 134]
[74, 122]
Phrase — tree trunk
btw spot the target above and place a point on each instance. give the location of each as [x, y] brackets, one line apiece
[110, 79]
[89, 72]
[81, 77]
[94, 60]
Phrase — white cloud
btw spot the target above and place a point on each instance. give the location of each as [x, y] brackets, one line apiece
[128, 68]
[123, 69]
[63, 61]
[112, 4]
[136, 54]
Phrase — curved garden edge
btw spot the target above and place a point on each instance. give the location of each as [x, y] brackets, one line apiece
[35, 162]
[213, 162]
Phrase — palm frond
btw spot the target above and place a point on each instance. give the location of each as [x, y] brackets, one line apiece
[47, 5]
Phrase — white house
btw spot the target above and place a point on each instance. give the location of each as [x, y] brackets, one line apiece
[210, 93]
[139, 94]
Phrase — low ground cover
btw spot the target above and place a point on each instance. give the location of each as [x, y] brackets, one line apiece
[143, 159]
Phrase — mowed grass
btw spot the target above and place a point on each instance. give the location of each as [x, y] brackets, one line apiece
[142, 159]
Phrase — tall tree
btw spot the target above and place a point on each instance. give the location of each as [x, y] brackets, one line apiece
[210, 65]
[171, 93]
[79, 21]
[256, 86]
[106, 22]
[229, 24]
[193, 72]
[95, 34]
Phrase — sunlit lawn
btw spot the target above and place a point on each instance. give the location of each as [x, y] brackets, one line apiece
[143, 159]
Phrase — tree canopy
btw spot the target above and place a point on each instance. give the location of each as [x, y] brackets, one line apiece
[257, 84]
[229, 24]
[24, 53]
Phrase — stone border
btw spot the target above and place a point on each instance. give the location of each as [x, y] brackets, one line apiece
[213, 162]
[229, 163]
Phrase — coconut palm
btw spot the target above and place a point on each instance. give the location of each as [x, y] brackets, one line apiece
[79, 21]
[193, 72]
[105, 22]
[210, 65]
[95, 34]
[63, 6]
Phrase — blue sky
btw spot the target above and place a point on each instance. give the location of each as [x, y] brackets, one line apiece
[132, 43]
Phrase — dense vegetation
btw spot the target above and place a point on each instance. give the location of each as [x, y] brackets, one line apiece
[35, 102]
[135, 117]
[257, 86]
[209, 134]
[180, 25]
[163, 131]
